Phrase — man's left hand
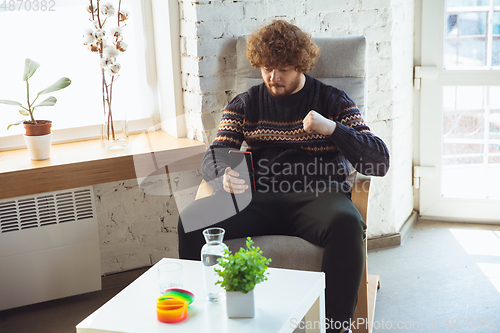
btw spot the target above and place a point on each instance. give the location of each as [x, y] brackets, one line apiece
[314, 121]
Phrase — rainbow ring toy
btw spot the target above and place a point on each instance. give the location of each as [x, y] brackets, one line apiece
[182, 294]
[172, 306]
[171, 310]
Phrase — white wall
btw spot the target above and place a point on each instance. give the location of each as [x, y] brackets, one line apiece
[208, 31]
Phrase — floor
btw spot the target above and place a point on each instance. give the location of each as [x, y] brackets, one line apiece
[444, 278]
[54, 316]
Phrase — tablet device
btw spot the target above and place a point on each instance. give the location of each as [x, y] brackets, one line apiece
[242, 162]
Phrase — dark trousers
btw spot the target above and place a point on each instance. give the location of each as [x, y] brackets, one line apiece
[327, 219]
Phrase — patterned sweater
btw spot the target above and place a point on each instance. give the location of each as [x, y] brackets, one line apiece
[285, 157]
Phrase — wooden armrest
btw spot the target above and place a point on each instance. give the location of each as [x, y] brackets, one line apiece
[360, 194]
[205, 190]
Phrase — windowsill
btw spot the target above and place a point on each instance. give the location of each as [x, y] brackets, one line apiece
[86, 163]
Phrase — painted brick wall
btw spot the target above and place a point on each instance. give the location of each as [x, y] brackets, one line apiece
[208, 30]
[138, 224]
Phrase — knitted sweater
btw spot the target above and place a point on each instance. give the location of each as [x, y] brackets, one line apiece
[285, 157]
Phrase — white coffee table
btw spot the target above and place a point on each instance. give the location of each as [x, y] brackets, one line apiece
[280, 303]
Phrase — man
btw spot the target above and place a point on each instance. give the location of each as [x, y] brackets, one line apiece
[302, 135]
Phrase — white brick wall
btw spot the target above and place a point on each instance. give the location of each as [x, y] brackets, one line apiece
[137, 229]
[208, 31]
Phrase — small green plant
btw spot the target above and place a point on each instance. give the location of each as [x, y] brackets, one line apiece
[30, 68]
[244, 269]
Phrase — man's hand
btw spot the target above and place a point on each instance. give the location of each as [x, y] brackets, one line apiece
[316, 122]
[231, 183]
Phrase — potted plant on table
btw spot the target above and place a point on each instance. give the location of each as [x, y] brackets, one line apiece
[38, 132]
[240, 273]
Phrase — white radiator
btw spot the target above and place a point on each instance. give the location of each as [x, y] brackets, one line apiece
[49, 247]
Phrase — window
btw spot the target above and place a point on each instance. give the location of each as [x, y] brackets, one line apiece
[472, 35]
[460, 111]
[471, 141]
[53, 37]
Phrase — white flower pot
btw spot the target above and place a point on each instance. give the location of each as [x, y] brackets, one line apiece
[39, 146]
[240, 305]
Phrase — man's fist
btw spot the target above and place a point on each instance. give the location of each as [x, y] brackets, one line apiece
[316, 122]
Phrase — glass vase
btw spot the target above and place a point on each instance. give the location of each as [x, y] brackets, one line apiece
[114, 129]
[210, 252]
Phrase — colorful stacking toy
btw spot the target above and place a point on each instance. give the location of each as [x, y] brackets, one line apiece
[171, 310]
[182, 294]
[172, 307]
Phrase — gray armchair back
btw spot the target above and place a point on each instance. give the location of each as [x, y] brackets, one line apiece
[341, 63]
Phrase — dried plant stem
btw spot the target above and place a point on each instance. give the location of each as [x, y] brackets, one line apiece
[119, 6]
[104, 97]
[92, 9]
[107, 98]
[98, 16]
[110, 99]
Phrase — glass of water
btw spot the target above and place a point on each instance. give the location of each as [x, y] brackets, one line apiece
[169, 276]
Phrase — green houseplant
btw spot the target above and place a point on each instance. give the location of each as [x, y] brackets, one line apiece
[38, 134]
[30, 68]
[240, 273]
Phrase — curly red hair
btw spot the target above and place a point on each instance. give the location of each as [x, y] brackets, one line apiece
[281, 44]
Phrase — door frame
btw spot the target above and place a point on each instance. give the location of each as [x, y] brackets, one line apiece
[433, 205]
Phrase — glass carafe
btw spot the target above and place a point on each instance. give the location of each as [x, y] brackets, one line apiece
[210, 252]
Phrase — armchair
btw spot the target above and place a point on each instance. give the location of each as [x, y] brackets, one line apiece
[341, 64]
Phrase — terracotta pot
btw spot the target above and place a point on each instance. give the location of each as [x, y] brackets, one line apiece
[42, 127]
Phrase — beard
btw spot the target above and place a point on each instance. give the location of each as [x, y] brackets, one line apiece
[281, 90]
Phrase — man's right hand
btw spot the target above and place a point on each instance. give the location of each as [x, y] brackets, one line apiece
[231, 183]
